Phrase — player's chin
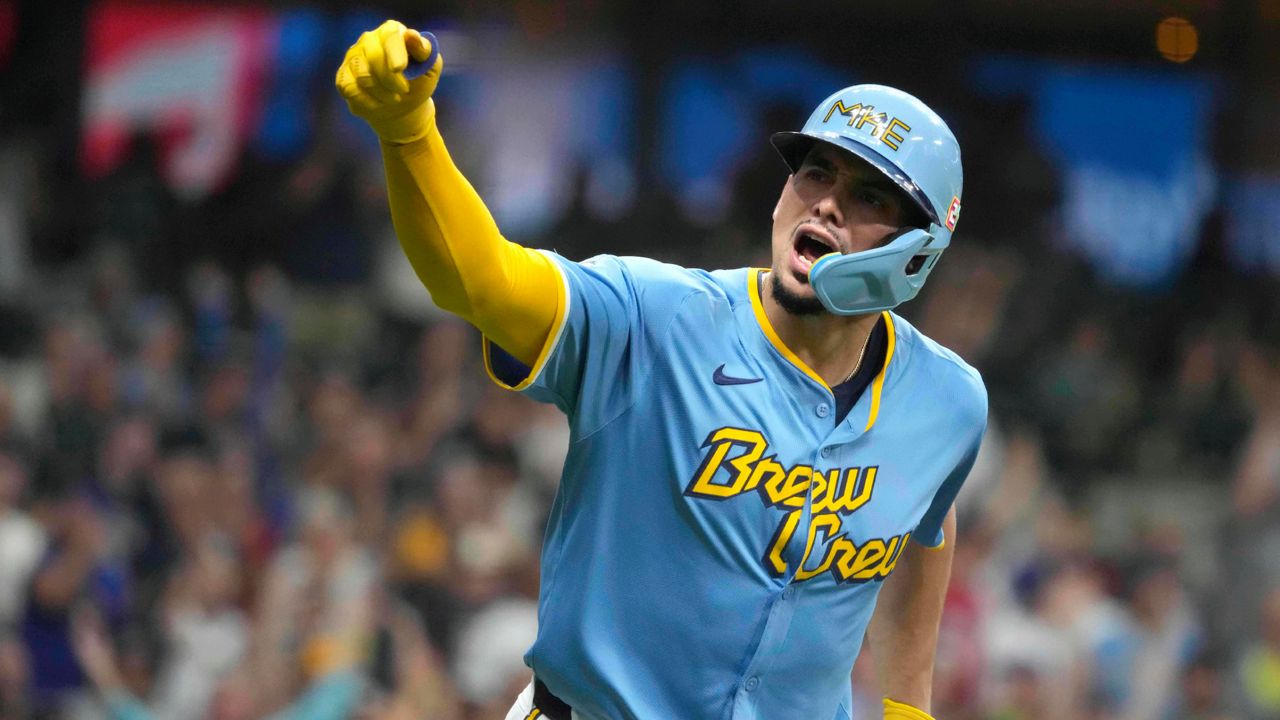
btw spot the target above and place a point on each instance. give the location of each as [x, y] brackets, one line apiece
[795, 295]
[794, 276]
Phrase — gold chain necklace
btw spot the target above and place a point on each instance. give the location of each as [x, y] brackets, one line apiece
[857, 366]
[865, 343]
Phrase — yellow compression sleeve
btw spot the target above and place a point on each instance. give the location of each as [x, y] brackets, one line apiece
[511, 293]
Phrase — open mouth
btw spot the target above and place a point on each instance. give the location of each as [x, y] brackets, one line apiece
[809, 246]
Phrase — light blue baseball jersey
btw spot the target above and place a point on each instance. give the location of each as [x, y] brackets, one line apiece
[718, 540]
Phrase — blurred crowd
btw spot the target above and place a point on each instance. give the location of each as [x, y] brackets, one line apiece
[247, 470]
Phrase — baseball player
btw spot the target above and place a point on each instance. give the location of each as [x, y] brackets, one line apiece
[763, 462]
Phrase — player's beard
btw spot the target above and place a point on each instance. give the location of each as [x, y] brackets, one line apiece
[793, 303]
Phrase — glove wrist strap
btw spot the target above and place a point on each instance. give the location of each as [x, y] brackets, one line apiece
[894, 710]
[409, 127]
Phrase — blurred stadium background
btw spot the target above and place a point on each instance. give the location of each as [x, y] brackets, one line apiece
[247, 470]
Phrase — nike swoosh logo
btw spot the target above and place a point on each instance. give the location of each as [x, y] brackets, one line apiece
[722, 379]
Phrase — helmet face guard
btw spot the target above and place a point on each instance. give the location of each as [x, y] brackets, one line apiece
[907, 142]
[873, 280]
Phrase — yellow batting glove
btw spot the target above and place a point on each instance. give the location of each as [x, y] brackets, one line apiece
[894, 710]
[372, 80]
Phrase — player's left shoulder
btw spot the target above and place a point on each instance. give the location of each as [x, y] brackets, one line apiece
[946, 376]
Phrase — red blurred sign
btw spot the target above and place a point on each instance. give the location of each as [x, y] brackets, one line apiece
[190, 76]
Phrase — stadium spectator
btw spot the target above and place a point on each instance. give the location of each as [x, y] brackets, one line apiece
[314, 615]
[1259, 666]
[22, 543]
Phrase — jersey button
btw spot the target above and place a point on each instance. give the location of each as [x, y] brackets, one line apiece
[826, 451]
[753, 682]
[823, 410]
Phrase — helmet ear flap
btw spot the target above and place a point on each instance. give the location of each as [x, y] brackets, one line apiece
[924, 260]
[916, 262]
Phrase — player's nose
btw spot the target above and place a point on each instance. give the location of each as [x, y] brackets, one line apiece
[826, 207]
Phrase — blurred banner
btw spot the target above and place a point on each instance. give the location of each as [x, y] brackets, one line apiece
[542, 120]
[712, 112]
[1132, 147]
[256, 79]
[542, 126]
[187, 77]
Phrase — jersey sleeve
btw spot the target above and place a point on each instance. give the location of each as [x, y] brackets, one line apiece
[929, 530]
[601, 349]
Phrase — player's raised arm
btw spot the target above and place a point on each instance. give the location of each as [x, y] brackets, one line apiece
[511, 293]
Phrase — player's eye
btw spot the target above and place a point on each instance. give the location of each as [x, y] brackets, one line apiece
[814, 173]
[872, 198]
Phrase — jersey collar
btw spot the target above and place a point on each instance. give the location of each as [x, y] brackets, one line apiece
[877, 384]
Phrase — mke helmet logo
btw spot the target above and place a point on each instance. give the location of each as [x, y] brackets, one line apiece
[834, 494]
[881, 126]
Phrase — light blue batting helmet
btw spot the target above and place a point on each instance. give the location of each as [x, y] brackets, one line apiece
[902, 138]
